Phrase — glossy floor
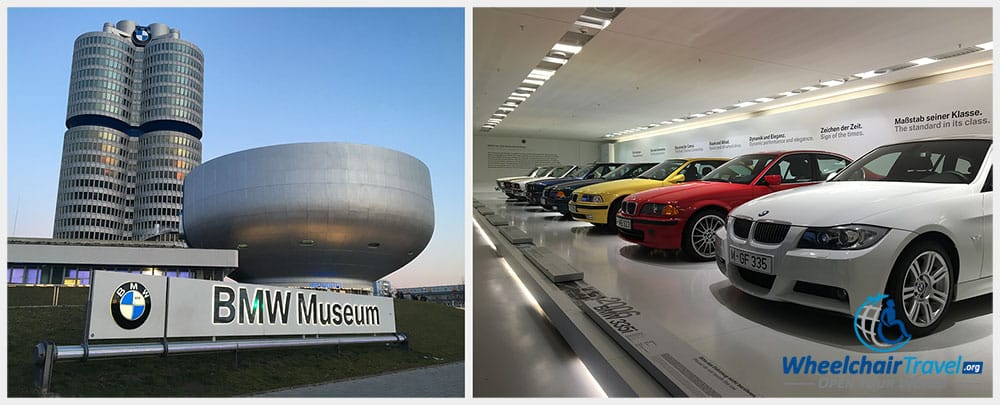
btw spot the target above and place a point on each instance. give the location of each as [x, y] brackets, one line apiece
[747, 336]
[516, 351]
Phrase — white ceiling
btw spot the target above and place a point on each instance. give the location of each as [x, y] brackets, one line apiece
[655, 64]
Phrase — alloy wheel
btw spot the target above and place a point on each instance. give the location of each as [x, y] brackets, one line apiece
[703, 234]
[926, 288]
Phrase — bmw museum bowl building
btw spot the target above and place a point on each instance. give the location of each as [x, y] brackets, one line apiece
[329, 214]
[813, 216]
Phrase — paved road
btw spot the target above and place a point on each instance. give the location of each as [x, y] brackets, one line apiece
[445, 380]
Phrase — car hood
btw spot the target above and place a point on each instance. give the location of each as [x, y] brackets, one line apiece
[531, 179]
[618, 187]
[550, 182]
[575, 184]
[695, 190]
[514, 178]
[844, 202]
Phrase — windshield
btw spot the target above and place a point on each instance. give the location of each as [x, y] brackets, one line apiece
[543, 171]
[949, 161]
[627, 171]
[561, 171]
[740, 170]
[534, 172]
[662, 170]
[581, 171]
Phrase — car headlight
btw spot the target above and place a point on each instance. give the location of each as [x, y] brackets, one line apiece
[665, 210]
[844, 237]
[591, 198]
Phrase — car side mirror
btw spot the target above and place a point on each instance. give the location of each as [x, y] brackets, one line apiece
[772, 179]
[677, 178]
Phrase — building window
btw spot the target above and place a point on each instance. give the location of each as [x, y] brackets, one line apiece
[15, 276]
[33, 276]
[84, 276]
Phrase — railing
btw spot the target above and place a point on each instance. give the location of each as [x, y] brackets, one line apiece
[46, 354]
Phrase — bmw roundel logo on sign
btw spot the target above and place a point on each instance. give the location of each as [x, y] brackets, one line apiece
[141, 35]
[130, 305]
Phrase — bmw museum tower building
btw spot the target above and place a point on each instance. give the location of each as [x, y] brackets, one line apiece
[134, 127]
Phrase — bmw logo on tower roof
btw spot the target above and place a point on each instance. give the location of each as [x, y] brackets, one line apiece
[130, 305]
[140, 36]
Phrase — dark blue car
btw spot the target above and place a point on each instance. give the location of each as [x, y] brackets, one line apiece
[556, 197]
[592, 171]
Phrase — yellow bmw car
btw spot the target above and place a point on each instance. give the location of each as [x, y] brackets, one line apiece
[596, 203]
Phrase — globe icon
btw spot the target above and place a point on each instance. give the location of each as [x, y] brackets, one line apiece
[866, 324]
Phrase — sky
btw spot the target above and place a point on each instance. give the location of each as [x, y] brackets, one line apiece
[379, 76]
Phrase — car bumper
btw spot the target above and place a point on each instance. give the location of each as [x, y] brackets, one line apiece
[834, 280]
[656, 234]
[556, 204]
[595, 214]
[534, 198]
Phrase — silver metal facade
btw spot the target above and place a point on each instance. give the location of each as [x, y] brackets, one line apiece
[134, 127]
[312, 213]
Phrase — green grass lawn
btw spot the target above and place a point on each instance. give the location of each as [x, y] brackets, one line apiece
[436, 335]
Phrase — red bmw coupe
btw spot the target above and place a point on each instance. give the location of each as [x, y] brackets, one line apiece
[685, 216]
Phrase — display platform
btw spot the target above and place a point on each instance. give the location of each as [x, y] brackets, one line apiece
[748, 342]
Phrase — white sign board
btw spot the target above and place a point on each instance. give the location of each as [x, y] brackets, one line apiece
[140, 306]
[126, 306]
[851, 128]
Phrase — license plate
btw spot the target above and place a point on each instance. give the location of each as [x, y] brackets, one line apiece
[752, 261]
[623, 223]
[572, 208]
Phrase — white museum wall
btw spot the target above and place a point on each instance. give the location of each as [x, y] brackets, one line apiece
[494, 156]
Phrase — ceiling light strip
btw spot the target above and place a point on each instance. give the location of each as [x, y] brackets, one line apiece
[824, 84]
[586, 26]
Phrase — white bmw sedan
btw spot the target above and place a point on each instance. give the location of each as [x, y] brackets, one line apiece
[912, 220]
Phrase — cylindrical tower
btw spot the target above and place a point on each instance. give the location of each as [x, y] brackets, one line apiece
[134, 119]
[172, 79]
[97, 169]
